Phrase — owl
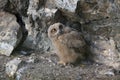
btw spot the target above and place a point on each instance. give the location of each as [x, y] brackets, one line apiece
[68, 43]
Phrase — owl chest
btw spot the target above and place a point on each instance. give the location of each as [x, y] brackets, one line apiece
[62, 48]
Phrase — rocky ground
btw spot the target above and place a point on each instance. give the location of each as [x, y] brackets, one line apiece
[43, 66]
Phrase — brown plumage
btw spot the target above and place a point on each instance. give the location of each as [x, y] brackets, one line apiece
[68, 43]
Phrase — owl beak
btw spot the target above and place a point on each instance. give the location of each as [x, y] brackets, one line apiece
[60, 32]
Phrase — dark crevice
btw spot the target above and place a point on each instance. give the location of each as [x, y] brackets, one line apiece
[14, 7]
[59, 17]
[24, 30]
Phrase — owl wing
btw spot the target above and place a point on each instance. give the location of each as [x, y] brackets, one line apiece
[72, 39]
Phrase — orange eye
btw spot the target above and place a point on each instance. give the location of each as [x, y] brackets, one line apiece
[53, 30]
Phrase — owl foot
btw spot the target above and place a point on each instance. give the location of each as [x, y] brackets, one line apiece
[62, 63]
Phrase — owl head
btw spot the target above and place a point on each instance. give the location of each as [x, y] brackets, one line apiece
[55, 30]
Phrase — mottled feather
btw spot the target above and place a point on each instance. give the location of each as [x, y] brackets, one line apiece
[68, 43]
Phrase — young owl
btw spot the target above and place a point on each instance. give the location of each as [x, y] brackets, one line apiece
[68, 43]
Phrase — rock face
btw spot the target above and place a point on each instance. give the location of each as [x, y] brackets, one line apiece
[103, 38]
[14, 6]
[98, 9]
[39, 18]
[10, 33]
[101, 29]
[98, 20]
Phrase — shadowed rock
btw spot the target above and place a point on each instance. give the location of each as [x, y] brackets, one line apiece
[10, 33]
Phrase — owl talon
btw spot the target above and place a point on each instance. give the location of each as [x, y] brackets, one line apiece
[62, 63]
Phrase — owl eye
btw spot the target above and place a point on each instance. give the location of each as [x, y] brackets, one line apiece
[53, 30]
[60, 26]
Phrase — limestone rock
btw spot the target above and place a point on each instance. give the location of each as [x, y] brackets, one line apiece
[10, 33]
[12, 66]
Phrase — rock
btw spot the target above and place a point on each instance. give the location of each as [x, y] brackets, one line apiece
[102, 37]
[68, 8]
[12, 66]
[3, 4]
[31, 59]
[10, 33]
[84, 10]
[20, 72]
[90, 10]
[19, 9]
[15, 7]
[39, 19]
[108, 72]
[68, 5]
[23, 52]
